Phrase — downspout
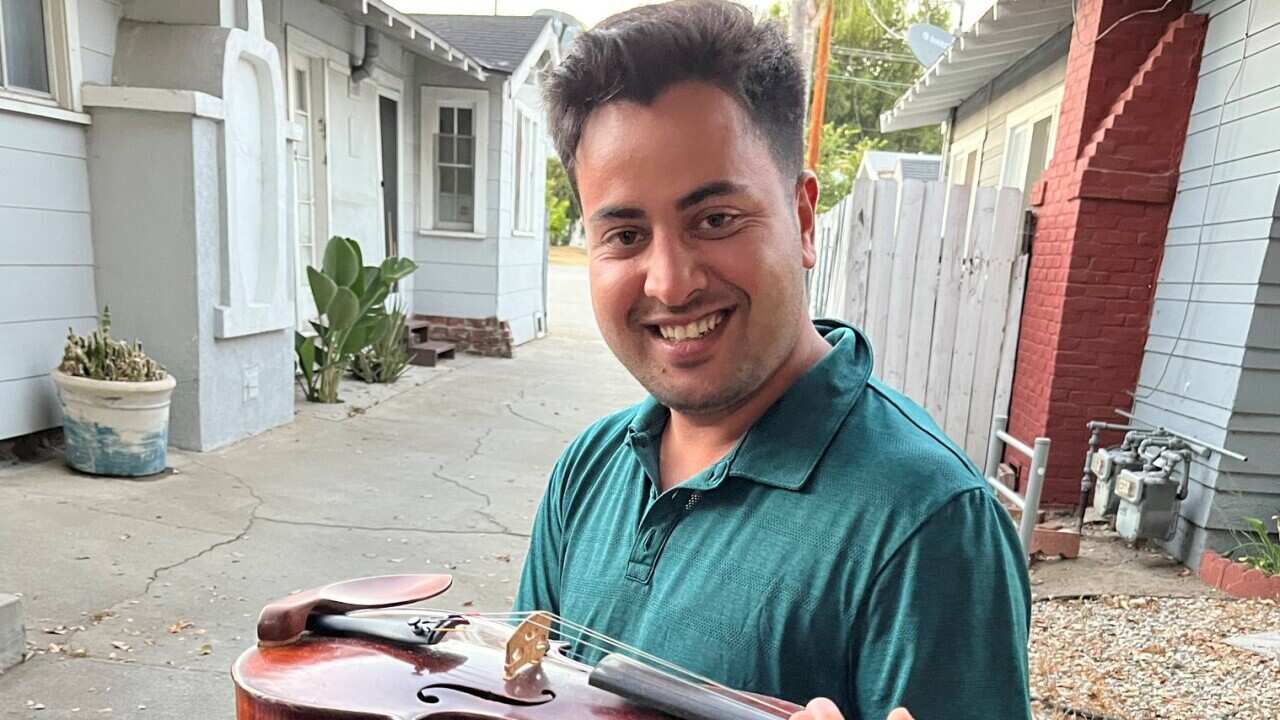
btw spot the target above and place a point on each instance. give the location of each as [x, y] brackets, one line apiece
[362, 70]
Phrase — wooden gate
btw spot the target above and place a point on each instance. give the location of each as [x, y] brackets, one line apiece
[935, 279]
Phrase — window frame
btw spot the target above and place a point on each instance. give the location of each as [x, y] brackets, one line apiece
[960, 150]
[62, 60]
[525, 160]
[1026, 116]
[433, 98]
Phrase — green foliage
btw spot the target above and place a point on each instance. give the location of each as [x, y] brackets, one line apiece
[839, 157]
[562, 208]
[349, 298]
[1260, 551]
[858, 104]
[99, 356]
[387, 357]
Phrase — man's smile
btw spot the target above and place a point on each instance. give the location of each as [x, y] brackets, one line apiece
[682, 342]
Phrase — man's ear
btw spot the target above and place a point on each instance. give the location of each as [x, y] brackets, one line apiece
[806, 197]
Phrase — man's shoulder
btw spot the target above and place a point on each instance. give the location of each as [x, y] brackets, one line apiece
[898, 454]
[600, 439]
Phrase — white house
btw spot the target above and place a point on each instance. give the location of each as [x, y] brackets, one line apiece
[183, 160]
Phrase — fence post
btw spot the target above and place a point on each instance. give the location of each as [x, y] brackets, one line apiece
[995, 446]
[1031, 500]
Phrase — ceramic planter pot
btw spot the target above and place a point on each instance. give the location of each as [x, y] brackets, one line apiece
[115, 428]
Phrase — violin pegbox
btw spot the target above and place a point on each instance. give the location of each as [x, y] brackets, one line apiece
[528, 644]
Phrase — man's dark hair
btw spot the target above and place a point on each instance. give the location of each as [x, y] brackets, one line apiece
[637, 54]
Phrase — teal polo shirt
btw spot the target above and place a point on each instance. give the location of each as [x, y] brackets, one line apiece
[844, 548]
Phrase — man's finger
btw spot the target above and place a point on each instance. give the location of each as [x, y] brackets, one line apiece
[819, 709]
[900, 714]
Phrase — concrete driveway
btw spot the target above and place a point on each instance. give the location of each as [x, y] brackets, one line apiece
[139, 594]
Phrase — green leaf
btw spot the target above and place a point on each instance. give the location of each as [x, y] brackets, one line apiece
[344, 310]
[342, 260]
[357, 340]
[396, 268]
[307, 358]
[322, 288]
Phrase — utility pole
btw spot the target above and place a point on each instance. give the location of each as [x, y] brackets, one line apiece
[820, 85]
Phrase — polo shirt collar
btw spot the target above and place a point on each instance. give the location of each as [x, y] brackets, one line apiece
[785, 444]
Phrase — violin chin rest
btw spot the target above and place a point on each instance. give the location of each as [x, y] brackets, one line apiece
[284, 620]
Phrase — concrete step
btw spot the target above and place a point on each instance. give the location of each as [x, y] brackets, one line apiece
[427, 352]
[13, 638]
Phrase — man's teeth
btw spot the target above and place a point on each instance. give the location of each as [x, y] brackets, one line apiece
[692, 330]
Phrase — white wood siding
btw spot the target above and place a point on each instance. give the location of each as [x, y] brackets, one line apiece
[1212, 362]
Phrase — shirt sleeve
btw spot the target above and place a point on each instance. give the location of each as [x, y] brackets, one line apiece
[540, 580]
[944, 630]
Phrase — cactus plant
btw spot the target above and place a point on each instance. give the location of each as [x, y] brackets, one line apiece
[99, 356]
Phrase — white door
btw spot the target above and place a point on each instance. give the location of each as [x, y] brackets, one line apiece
[354, 164]
[306, 103]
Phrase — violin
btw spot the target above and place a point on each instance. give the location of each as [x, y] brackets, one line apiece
[351, 650]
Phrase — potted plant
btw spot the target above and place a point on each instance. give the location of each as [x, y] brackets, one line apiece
[115, 404]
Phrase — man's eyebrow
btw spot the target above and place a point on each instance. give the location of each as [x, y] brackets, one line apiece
[618, 212]
[709, 190]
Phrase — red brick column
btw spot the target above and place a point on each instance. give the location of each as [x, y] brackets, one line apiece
[1103, 206]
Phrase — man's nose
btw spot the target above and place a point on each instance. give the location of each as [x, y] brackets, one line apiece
[673, 273]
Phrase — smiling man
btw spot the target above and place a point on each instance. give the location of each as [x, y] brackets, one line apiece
[772, 516]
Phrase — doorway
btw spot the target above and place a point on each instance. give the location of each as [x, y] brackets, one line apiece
[389, 136]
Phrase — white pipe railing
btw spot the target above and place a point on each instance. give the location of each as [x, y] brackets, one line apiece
[1028, 504]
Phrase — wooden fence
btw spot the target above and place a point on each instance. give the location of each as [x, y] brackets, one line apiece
[940, 302]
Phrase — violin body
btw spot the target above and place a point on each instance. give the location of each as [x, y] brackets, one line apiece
[458, 678]
[352, 651]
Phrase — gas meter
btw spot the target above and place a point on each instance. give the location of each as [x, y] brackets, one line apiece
[1106, 465]
[1149, 496]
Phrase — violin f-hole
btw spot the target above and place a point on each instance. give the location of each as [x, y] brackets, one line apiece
[430, 695]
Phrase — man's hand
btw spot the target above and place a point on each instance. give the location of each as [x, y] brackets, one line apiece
[824, 709]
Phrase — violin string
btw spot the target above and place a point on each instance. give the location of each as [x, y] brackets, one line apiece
[663, 666]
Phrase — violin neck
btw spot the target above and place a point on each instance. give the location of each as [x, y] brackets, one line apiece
[679, 698]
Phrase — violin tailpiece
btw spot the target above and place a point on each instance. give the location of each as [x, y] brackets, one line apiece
[528, 644]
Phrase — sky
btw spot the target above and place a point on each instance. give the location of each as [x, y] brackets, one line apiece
[589, 12]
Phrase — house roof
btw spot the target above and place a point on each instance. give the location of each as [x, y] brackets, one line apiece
[914, 166]
[422, 40]
[1004, 34]
[499, 42]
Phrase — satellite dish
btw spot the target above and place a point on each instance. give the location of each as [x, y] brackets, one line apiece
[928, 42]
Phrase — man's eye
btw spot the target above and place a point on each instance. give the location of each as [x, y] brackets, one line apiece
[625, 238]
[718, 221]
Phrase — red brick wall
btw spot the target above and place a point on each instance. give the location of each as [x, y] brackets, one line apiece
[1103, 205]
[478, 336]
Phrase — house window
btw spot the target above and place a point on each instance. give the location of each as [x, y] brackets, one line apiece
[1029, 142]
[526, 179]
[454, 159]
[25, 61]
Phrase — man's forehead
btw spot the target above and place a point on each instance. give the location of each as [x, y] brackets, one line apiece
[691, 135]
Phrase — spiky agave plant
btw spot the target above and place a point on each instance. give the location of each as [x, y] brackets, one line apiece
[99, 356]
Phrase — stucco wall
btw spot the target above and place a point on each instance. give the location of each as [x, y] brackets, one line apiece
[46, 248]
[1212, 365]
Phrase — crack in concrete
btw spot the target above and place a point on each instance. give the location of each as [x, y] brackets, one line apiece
[483, 511]
[127, 516]
[253, 516]
[387, 528]
[475, 451]
[154, 666]
[526, 418]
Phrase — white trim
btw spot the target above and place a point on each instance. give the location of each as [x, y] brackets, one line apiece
[451, 234]
[190, 102]
[432, 98]
[961, 149]
[299, 40]
[1026, 116]
[61, 20]
[26, 107]
[546, 40]
[520, 167]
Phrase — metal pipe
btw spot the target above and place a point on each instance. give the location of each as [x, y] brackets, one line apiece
[1015, 443]
[1086, 478]
[1006, 492]
[995, 449]
[1203, 447]
[1031, 502]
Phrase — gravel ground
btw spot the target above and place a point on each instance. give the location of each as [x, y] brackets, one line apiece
[1134, 658]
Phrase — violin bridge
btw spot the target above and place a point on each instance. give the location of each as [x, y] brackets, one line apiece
[528, 644]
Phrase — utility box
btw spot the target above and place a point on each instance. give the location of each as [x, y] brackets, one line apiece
[1148, 504]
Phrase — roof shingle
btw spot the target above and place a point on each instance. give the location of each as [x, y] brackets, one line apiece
[499, 42]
